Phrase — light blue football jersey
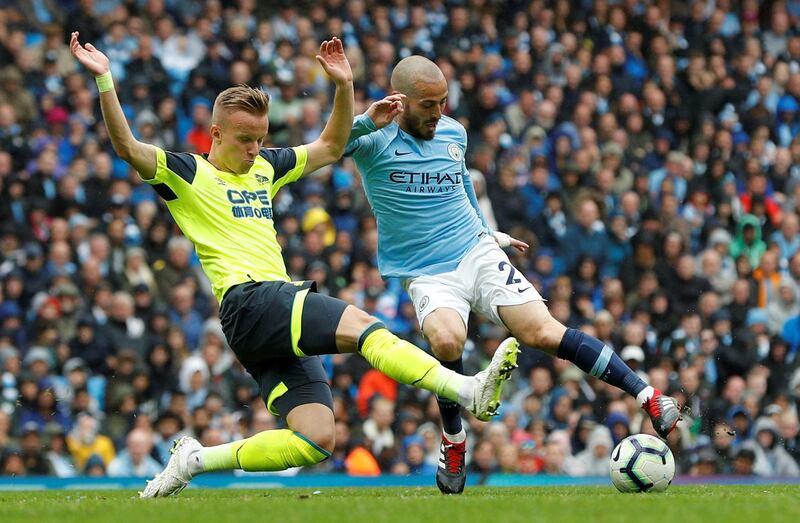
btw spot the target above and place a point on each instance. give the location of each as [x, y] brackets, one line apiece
[421, 194]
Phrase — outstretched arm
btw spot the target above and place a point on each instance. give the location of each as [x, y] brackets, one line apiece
[330, 145]
[140, 155]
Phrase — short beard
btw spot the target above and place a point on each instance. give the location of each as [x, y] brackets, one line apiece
[416, 133]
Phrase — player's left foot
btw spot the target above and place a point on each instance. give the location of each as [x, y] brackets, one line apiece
[663, 411]
[176, 475]
[489, 382]
[452, 473]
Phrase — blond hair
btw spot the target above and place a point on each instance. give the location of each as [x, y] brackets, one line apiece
[240, 98]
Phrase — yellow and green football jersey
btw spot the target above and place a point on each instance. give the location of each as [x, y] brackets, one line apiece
[228, 217]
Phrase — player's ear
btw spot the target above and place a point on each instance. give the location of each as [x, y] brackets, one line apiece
[215, 132]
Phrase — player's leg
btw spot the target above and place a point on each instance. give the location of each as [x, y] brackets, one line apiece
[307, 441]
[355, 330]
[446, 331]
[257, 320]
[442, 306]
[534, 326]
[265, 320]
[509, 299]
[408, 364]
[292, 387]
[297, 389]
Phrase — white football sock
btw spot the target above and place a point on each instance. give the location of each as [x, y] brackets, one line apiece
[645, 395]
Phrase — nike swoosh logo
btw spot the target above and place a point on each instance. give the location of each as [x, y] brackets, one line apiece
[398, 153]
[522, 290]
[616, 458]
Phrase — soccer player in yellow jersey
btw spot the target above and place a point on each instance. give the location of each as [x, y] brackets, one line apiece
[223, 203]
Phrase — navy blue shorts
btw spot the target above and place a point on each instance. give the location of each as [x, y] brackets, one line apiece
[277, 330]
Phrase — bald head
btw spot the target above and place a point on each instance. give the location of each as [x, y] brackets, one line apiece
[413, 72]
[425, 90]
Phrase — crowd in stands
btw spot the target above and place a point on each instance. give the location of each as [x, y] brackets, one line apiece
[647, 150]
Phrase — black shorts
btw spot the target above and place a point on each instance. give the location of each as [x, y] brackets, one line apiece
[272, 326]
[291, 382]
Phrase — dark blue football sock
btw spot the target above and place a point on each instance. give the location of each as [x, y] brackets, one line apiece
[450, 410]
[594, 357]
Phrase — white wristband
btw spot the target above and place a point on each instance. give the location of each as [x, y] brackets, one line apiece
[502, 239]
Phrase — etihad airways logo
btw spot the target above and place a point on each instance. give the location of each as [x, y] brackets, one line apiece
[417, 182]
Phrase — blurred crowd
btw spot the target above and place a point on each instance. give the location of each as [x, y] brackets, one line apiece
[647, 150]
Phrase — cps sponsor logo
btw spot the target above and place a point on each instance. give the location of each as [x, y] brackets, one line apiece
[250, 204]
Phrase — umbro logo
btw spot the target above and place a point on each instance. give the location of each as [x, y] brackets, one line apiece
[262, 180]
[398, 153]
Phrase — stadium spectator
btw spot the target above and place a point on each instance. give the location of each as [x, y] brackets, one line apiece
[58, 457]
[135, 459]
[771, 458]
[84, 441]
[377, 427]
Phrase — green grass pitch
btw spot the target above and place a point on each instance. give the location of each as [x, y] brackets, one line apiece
[680, 504]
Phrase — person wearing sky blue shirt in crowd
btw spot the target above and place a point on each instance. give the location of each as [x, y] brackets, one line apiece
[135, 460]
[788, 237]
[432, 233]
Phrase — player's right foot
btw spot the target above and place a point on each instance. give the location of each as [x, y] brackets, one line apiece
[663, 411]
[176, 476]
[489, 382]
[452, 473]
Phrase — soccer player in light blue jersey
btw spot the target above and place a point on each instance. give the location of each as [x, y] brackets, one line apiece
[431, 233]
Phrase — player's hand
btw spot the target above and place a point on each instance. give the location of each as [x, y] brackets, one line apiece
[383, 111]
[332, 58]
[96, 62]
[504, 240]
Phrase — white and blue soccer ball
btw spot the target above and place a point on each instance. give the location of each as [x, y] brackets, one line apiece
[642, 463]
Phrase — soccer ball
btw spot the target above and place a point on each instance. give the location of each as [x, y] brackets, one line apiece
[642, 463]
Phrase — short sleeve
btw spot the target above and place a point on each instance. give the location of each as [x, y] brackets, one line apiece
[360, 140]
[287, 163]
[175, 173]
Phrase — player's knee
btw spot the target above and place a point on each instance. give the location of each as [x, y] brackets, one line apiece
[360, 320]
[552, 333]
[366, 320]
[351, 328]
[446, 345]
[315, 423]
[323, 436]
[544, 333]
